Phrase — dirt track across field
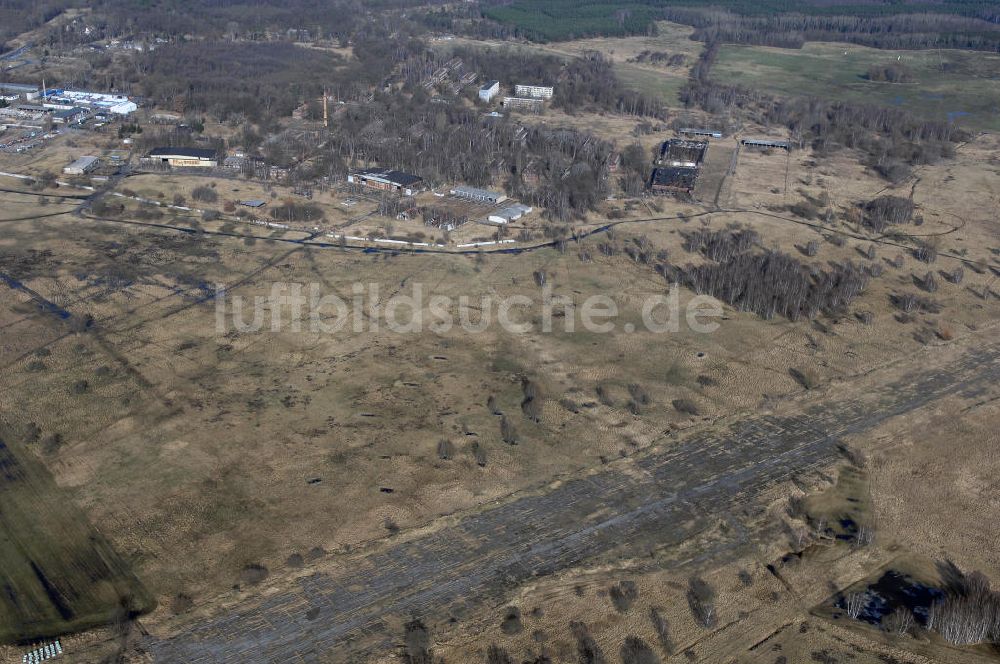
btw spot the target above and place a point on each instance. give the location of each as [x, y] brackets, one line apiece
[667, 497]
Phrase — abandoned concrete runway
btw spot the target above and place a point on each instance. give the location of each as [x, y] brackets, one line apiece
[476, 561]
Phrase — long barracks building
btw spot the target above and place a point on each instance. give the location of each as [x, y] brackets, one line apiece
[386, 180]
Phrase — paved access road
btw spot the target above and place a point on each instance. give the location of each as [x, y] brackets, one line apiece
[339, 617]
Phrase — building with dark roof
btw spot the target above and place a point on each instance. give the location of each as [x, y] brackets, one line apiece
[673, 179]
[711, 133]
[386, 180]
[765, 143]
[185, 157]
[69, 115]
[682, 152]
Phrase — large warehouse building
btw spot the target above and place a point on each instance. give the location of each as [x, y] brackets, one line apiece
[82, 166]
[480, 195]
[185, 157]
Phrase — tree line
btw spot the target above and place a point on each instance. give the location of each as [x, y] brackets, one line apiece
[793, 29]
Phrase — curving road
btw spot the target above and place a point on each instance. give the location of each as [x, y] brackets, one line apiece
[678, 493]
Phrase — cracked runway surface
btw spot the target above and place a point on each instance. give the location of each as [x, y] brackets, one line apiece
[677, 493]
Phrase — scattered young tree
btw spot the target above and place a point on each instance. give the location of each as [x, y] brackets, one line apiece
[532, 404]
[493, 406]
[478, 454]
[686, 406]
[854, 604]
[416, 643]
[511, 621]
[498, 655]
[623, 594]
[586, 648]
[662, 629]
[445, 450]
[929, 283]
[636, 651]
[508, 433]
[900, 621]
[701, 601]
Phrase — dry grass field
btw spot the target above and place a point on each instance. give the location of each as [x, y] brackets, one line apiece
[198, 465]
[777, 598]
[941, 84]
[248, 445]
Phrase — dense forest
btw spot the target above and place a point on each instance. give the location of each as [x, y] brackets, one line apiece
[792, 30]
[17, 16]
[255, 81]
[890, 24]
[218, 19]
[920, 24]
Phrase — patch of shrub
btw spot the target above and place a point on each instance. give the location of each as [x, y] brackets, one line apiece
[623, 594]
[511, 621]
[253, 574]
[701, 601]
[636, 651]
[805, 377]
[686, 406]
[445, 450]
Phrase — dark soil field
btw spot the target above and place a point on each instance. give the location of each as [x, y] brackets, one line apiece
[59, 574]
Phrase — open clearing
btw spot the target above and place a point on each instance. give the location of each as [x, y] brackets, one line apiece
[659, 80]
[946, 85]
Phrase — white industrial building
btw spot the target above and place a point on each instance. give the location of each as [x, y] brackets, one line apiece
[534, 91]
[82, 166]
[489, 90]
[481, 195]
[509, 213]
[95, 101]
